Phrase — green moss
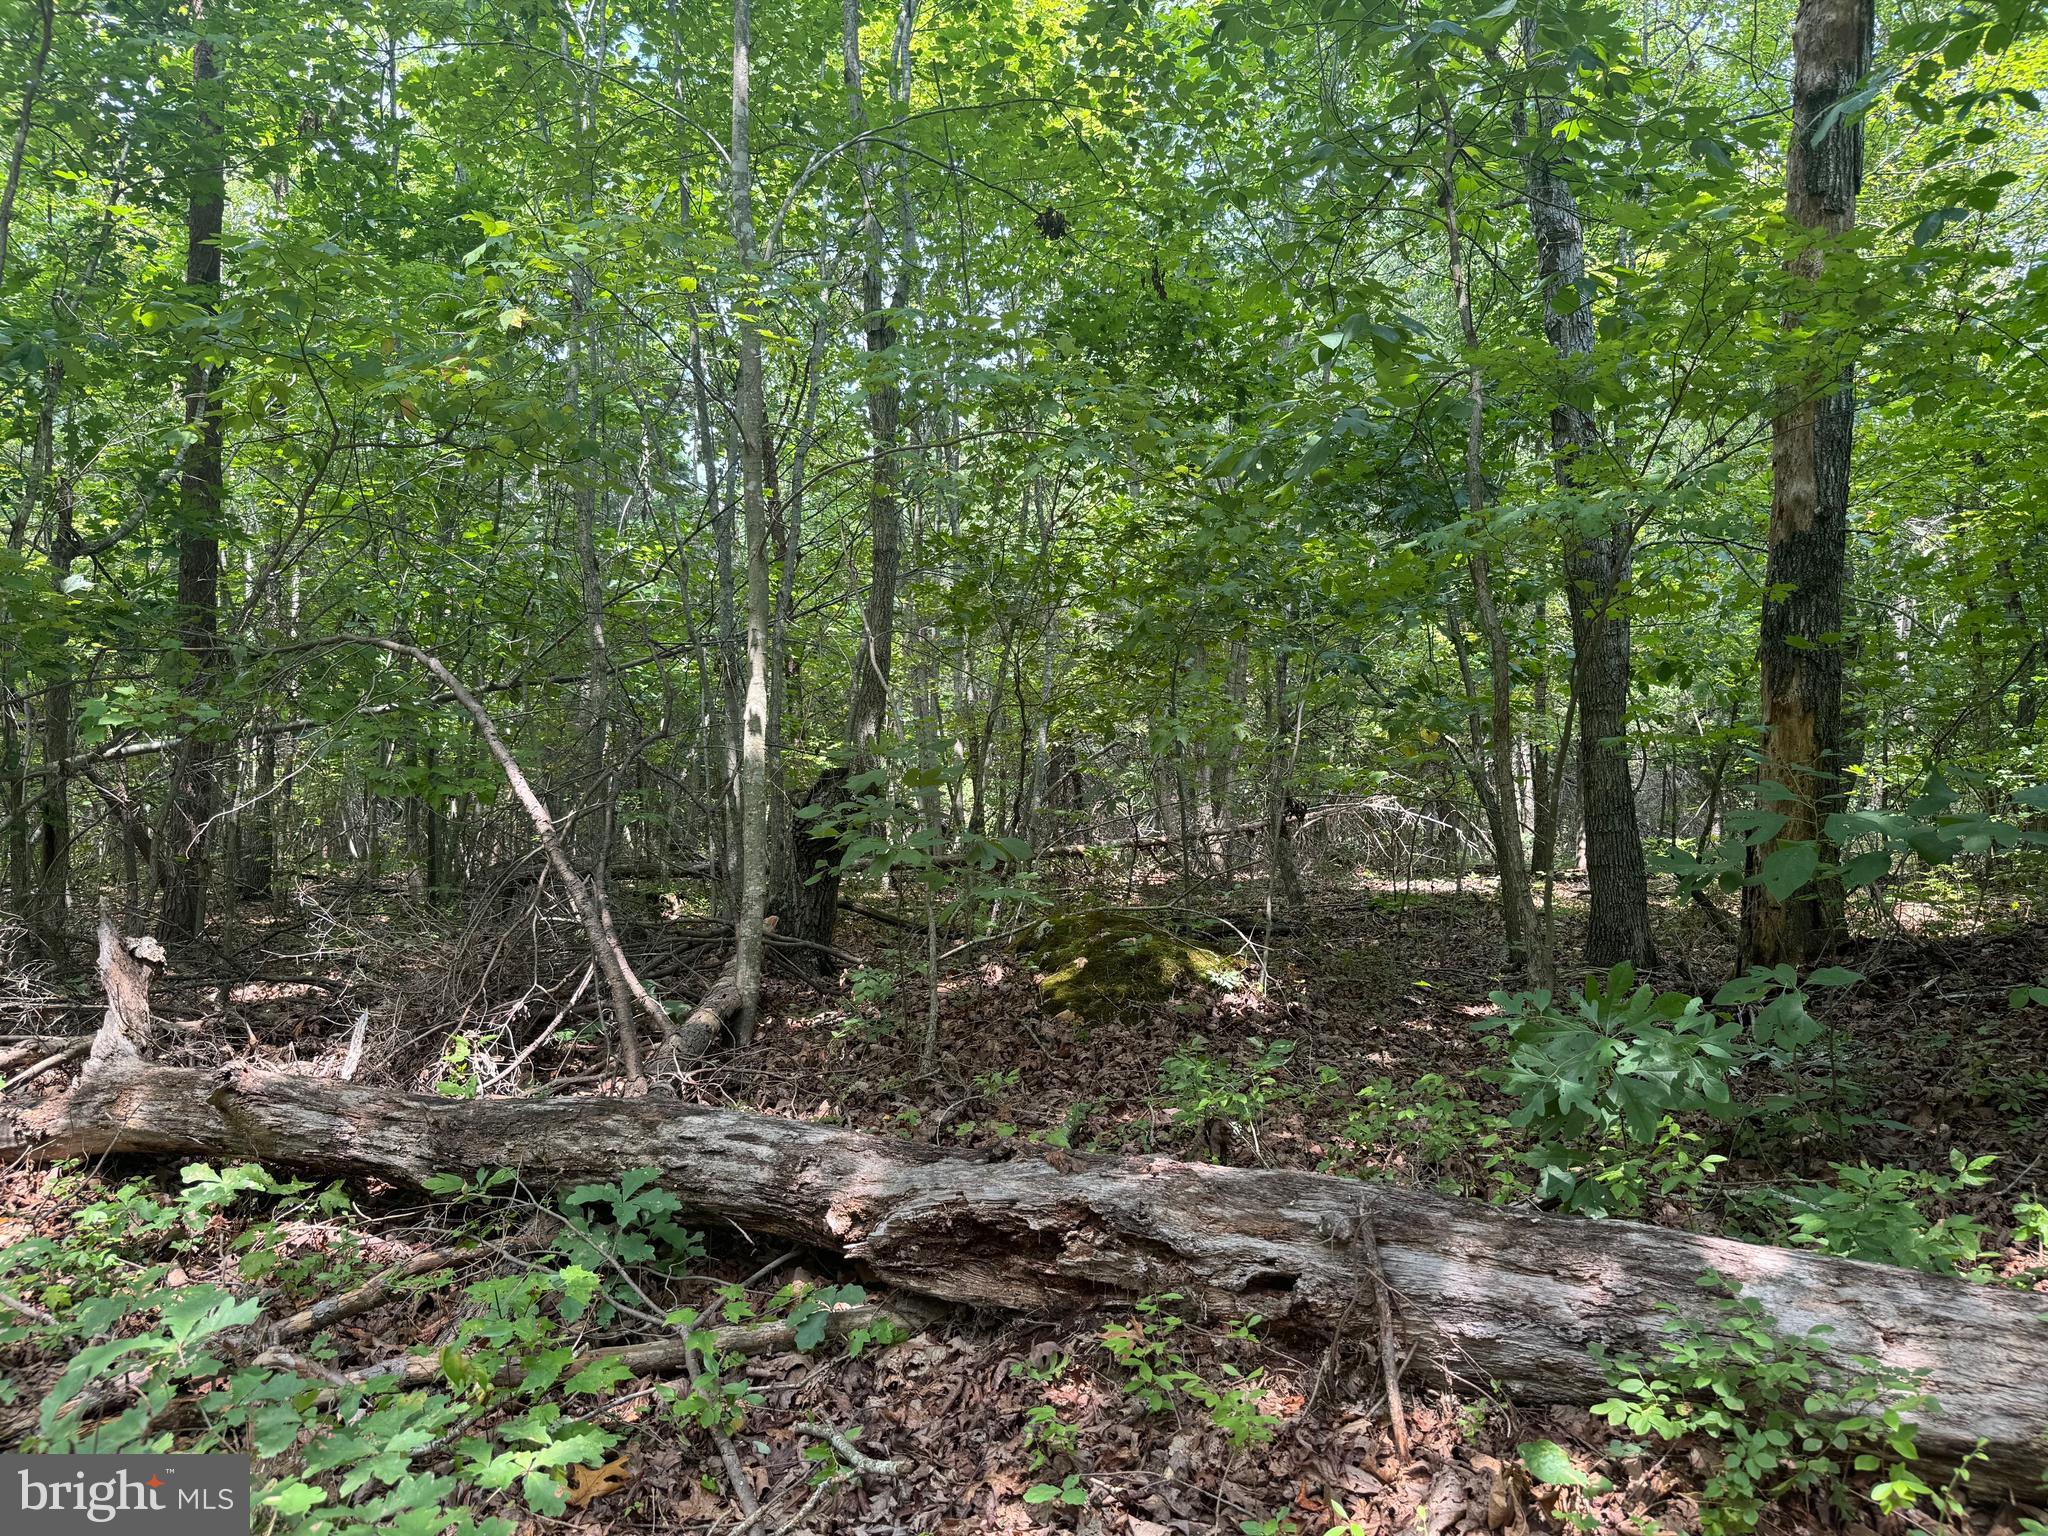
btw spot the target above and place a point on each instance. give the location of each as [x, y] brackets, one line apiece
[1095, 964]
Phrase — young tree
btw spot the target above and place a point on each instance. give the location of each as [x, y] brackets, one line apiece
[752, 410]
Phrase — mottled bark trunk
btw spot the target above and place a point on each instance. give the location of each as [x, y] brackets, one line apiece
[1599, 547]
[754, 450]
[1801, 645]
[195, 774]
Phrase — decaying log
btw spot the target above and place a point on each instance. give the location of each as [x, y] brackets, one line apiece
[1499, 1300]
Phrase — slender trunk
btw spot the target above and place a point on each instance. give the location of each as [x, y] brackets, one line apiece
[1597, 559]
[1801, 643]
[195, 777]
[45, 20]
[814, 849]
[53, 890]
[1518, 915]
[722, 714]
[788, 892]
[1283, 873]
[1543, 810]
[753, 431]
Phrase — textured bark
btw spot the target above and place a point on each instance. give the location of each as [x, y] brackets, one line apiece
[1511, 1298]
[195, 781]
[814, 908]
[1800, 647]
[754, 451]
[1596, 572]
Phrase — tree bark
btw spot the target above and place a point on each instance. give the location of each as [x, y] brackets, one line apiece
[754, 450]
[1518, 912]
[195, 780]
[814, 909]
[1511, 1298]
[1801, 644]
[1597, 564]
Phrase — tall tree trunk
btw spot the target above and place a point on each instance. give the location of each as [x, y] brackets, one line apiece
[754, 449]
[1283, 730]
[787, 893]
[815, 851]
[1801, 645]
[196, 772]
[1518, 911]
[1597, 560]
[722, 714]
[53, 890]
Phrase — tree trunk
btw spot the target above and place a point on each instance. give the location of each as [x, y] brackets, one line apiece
[754, 449]
[1518, 912]
[1801, 645]
[46, 14]
[196, 771]
[815, 910]
[1510, 1298]
[1596, 568]
[53, 889]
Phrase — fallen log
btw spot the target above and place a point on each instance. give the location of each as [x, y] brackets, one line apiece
[1501, 1300]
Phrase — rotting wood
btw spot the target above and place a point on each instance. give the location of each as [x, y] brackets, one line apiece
[1500, 1300]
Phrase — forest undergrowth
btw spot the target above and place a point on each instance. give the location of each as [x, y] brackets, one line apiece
[1359, 1040]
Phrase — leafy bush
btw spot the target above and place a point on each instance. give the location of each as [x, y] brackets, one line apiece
[1161, 1377]
[1875, 1213]
[1782, 1419]
[1203, 1087]
[500, 1416]
[1616, 1065]
[1433, 1125]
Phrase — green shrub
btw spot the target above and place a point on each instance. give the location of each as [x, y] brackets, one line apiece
[1781, 1418]
[1875, 1213]
[1618, 1064]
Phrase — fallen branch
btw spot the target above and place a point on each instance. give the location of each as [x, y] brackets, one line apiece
[650, 1357]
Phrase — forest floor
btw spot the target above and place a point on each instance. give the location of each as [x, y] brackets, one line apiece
[1349, 1044]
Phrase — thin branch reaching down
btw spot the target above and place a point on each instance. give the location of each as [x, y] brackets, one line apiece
[631, 1001]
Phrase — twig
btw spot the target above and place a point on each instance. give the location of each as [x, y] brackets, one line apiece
[1390, 1359]
[372, 1292]
[26, 1309]
[859, 1460]
[50, 1062]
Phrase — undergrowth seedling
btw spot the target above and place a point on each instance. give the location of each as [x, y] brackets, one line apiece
[1161, 1378]
[1782, 1417]
[1203, 1087]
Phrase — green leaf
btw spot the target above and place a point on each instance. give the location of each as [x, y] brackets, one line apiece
[1866, 869]
[1786, 870]
[1551, 1464]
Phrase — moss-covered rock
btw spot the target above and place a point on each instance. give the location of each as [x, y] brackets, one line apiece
[1097, 963]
